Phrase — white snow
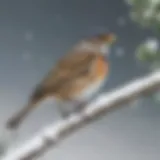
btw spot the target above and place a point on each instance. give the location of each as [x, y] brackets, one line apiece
[152, 44]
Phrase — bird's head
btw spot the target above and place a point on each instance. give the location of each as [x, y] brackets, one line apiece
[97, 43]
[103, 42]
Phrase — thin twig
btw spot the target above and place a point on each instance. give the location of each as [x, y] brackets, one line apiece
[54, 133]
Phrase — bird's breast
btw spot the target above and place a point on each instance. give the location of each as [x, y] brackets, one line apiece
[101, 68]
[90, 90]
[99, 74]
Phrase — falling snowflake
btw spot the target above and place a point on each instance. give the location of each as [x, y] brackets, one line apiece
[121, 21]
[152, 45]
[26, 55]
[119, 52]
[28, 36]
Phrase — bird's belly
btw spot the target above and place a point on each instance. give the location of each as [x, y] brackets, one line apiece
[90, 91]
[100, 73]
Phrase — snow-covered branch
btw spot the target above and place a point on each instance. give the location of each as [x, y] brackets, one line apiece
[53, 134]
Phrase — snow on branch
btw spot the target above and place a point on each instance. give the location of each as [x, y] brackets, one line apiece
[54, 133]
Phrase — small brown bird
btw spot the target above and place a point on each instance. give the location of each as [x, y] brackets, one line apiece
[75, 78]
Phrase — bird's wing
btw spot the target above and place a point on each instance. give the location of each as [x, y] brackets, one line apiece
[71, 72]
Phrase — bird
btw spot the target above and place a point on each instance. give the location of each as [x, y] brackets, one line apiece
[75, 78]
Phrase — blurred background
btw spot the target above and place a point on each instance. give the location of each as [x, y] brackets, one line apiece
[35, 34]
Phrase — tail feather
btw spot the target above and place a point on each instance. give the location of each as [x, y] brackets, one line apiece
[17, 119]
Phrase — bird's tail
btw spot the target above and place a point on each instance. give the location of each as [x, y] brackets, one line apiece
[16, 120]
[9, 133]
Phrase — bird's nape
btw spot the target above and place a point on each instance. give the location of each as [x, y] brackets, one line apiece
[109, 38]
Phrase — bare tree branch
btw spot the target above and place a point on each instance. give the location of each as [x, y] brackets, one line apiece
[53, 134]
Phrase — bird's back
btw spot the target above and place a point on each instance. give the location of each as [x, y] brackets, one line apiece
[73, 74]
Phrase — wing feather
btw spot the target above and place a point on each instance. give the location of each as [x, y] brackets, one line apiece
[68, 72]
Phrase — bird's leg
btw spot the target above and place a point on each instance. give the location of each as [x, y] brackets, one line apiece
[79, 106]
[66, 109]
[65, 113]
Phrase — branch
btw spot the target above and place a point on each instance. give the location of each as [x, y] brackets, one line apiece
[53, 134]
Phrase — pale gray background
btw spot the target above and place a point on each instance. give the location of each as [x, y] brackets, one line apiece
[35, 33]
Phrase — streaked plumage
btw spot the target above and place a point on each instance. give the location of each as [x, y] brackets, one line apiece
[76, 77]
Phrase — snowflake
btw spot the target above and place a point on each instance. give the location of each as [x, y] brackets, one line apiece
[28, 36]
[152, 45]
[26, 55]
[120, 52]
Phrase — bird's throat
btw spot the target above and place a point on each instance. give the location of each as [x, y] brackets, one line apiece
[105, 49]
[87, 46]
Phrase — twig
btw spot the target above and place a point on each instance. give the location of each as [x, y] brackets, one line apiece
[54, 133]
